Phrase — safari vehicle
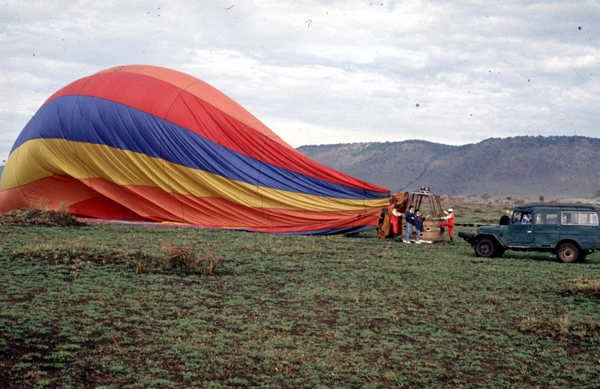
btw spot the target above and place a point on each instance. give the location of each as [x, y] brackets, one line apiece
[571, 231]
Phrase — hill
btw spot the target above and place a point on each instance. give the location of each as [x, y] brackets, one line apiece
[526, 167]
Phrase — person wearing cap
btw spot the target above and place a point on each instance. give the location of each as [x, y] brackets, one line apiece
[410, 222]
[448, 223]
[505, 219]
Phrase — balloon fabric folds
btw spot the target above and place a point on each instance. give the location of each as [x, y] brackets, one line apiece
[145, 143]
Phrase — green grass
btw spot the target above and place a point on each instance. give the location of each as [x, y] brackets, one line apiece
[289, 311]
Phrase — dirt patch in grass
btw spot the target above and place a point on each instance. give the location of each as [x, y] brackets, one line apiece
[11, 353]
[32, 361]
[73, 256]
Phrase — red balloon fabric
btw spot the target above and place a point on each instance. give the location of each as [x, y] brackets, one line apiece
[147, 143]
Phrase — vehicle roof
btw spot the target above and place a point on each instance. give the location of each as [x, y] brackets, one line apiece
[556, 205]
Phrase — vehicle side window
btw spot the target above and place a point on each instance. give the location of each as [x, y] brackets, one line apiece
[546, 217]
[579, 218]
[516, 218]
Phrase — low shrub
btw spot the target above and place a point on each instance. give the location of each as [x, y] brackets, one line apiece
[178, 258]
[587, 287]
[564, 326]
[39, 217]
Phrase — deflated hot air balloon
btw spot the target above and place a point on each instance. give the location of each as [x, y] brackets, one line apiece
[145, 143]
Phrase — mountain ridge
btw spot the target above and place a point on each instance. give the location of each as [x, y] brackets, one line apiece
[524, 166]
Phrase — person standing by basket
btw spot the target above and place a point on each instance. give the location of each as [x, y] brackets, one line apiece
[395, 220]
[410, 222]
[448, 223]
[418, 225]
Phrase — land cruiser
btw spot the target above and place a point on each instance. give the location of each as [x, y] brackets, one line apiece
[570, 231]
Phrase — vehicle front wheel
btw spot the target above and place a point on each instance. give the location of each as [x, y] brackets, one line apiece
[485, 248]
[567, 253]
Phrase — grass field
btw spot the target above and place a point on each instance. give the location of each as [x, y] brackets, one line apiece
[86, 307]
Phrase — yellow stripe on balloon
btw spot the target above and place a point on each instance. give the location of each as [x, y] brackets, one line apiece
[123, 167]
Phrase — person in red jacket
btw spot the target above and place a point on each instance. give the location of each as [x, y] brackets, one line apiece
[448, 223]
[395, 220]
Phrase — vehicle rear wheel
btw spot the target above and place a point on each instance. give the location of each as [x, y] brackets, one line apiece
[485, 248]
[568, 253]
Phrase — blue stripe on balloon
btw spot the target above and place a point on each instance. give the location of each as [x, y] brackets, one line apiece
[333, 231]
[98, 121]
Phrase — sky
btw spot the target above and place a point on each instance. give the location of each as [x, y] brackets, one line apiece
[328, 72]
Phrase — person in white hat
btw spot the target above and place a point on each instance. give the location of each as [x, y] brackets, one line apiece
[448, 223]
[505, 219]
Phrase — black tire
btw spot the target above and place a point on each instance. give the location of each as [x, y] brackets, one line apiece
[485, 248]
[499, 251]
[465, 235]
[568, 253]
[583, 255]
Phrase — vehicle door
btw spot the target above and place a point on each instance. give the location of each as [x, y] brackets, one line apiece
[521, 233]
[546, 227]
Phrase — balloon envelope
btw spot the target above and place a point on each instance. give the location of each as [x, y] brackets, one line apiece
[152, 144]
